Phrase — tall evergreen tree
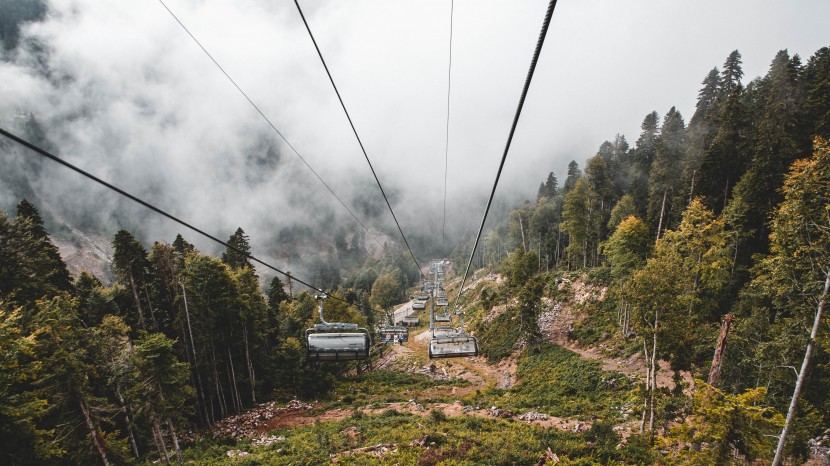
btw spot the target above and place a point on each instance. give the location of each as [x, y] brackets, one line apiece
[817, 86]
[641, 159]
[236, 255]
[574, 173]
[730, 77]
[725, 159]
[131, 269]
[551, 185]
[779, 140]
[47, 270]
[664, 177]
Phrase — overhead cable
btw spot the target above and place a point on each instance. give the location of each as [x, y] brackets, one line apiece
[267, 120]
[320, 54]
[539, 43]
[152, 207]
[447, 142]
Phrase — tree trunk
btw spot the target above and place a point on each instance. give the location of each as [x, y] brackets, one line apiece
[97, 439]
[137, 302]
[522, 228]
[779, 451]
[692, 188]
[714, 372]
[195, 367]
[251, 375]
[150, 306]
[126, 411]
[237, 400]
[558, 239]
[662, 212]
[648, 382]
[162, 445]
[175, 441]
[653, 372]
[220, 394]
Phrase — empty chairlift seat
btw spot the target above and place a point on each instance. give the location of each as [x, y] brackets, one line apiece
[419, 306]
[453, 345]
[444, 317]
[411, 321]
[337, 342]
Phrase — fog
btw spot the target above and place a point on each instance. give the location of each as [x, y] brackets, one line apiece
[120, 89]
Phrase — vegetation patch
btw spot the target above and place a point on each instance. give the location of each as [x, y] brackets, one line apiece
[384, 387]
[558, 382]
[417, 440]
[497, 339]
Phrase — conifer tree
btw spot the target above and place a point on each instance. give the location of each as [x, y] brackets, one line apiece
[574, 173]
[724, 160]
[642, 158]
[551, 186]
[36, 268]
[730, 77]
[817, 85]
[664, 177]
[131, 268]
[236, 255]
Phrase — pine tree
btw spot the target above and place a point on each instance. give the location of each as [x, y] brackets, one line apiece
[574, 173]
[724, 160]
[551, 186]
[779, 140]
[817, 86]
[706, 96]
[730, 77]
[238, 251]
[664, 177]
[131, 268]
[35, 267]
[642, 158]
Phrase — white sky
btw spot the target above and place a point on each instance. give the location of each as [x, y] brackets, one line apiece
[148, 111]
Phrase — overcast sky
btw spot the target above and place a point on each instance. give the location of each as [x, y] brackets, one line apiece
[132, 98]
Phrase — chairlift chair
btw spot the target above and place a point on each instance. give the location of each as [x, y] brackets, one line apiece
[337, 341]
[443, 317]
[388, 332]
[454, 345]
[419, 306]
[411, 321]
[448, 342]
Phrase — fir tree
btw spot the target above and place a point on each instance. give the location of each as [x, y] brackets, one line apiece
[730, 77]
[238, 251]
[664, 177]
[574, 173]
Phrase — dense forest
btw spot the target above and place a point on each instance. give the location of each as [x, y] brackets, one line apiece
[723, 219]
[715, 227]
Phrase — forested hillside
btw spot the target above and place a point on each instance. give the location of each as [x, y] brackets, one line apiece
[702, 251]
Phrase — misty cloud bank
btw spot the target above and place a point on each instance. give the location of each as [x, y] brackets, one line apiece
[119, 89]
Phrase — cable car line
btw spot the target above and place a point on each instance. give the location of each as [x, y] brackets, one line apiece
[533, 62]
[447, 141]
[267, 120]
[320, 54]
[152, 207]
